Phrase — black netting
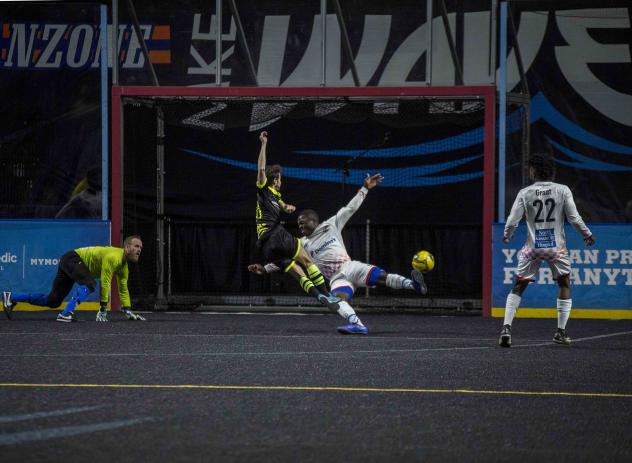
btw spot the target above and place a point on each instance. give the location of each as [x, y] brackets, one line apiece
[258, 112]
[430, 151]
[140, 198]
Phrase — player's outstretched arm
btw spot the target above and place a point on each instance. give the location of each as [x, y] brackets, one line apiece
[257, 268]
[261, 162]
[345, 213]
[589, 240]
[371, 181]
[263, 269]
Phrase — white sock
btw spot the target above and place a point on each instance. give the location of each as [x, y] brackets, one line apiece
[511, 306]
[563, 312]
[347, 312]
[398, 282]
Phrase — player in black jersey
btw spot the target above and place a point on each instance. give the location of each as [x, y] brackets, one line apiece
[277, 244]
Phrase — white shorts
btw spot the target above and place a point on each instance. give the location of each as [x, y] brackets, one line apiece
[529, 261]
[352, 274]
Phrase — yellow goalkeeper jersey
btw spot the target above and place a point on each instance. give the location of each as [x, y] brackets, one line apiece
[103, 262]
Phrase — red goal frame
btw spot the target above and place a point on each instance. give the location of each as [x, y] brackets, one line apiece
[485, 92]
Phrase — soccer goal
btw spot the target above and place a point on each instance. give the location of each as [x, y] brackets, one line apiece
[184, 171]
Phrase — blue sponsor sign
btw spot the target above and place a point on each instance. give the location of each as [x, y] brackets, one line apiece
[601, 275]
[30, 250]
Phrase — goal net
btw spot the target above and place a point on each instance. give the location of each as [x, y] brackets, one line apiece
[184, 160]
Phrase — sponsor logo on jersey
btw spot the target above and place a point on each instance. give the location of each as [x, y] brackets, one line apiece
[322, 247]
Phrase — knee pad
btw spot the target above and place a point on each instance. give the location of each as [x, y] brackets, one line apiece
[345, 290]
[374, 276]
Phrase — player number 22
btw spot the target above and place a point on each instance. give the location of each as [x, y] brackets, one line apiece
[550, 206]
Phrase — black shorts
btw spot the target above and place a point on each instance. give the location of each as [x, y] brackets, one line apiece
[280, 248]
[71, 269]
[76, 270]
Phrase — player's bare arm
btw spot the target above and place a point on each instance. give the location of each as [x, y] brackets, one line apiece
[257, 268]
[371, 181]
[261, 162]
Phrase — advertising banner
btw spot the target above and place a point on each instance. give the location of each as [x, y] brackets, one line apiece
[601, 275]
[576, 61]
[30, 250]
[50, 113]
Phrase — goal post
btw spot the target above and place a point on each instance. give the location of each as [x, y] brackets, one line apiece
[172, 96]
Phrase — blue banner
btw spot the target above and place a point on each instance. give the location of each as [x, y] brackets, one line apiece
[30, 250]
[601, 275]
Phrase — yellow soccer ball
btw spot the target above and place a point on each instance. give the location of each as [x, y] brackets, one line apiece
[423, 261]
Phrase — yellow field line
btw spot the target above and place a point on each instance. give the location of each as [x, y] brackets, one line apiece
[320, 388]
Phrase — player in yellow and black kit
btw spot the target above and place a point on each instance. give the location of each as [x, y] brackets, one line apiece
[82, 266]
[277, 244]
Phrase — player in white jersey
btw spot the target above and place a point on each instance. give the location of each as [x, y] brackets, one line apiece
[544, 204]
[323, 242]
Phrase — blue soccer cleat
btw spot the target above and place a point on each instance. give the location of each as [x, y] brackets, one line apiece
[353, 328]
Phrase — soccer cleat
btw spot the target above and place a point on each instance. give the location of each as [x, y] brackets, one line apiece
[505, 336]
[418, 282]
[102, 316]
[133, 316]
[330, 301]
[561, 337]
[353, 328]
[8, 305]
[67, 318]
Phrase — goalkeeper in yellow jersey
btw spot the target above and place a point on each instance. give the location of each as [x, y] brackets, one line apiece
[83, 266]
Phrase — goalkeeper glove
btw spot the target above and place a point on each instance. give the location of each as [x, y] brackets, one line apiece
[132, 316]
[102, 314]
